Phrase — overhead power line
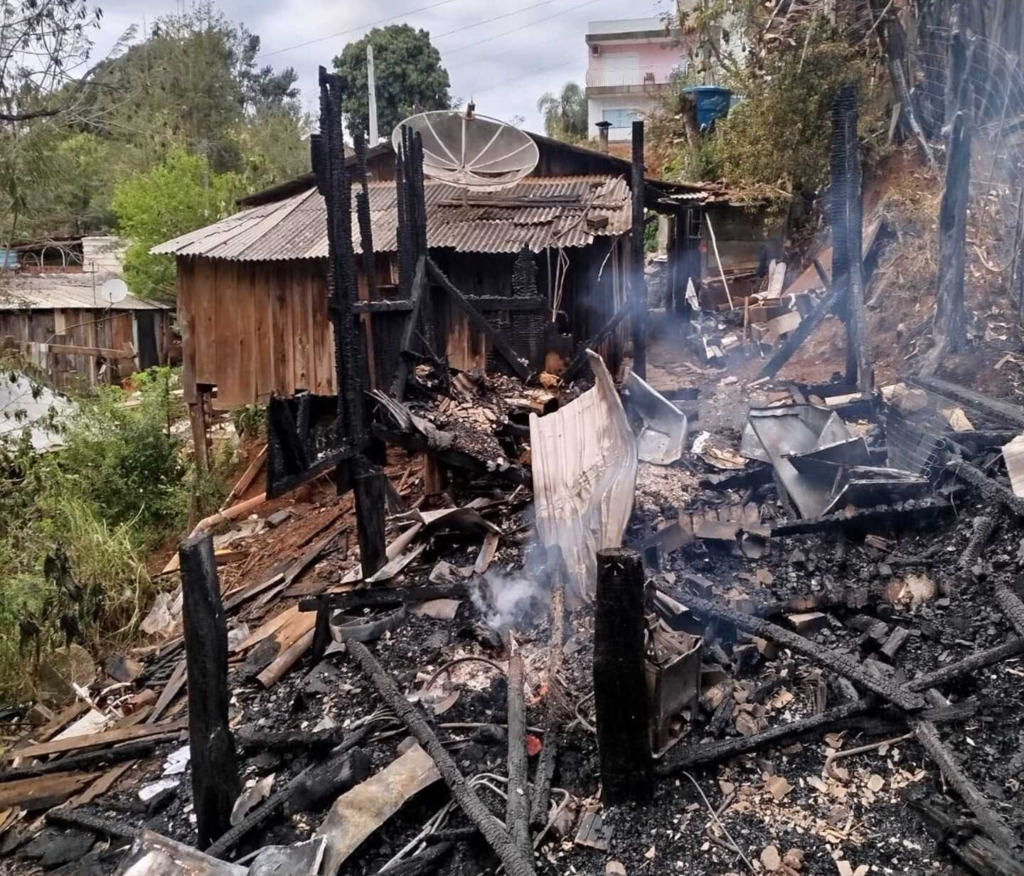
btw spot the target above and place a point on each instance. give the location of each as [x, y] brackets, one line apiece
[521, 27]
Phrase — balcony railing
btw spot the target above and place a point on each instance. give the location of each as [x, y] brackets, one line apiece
[631, 77]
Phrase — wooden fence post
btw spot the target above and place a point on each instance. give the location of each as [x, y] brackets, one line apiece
[637, 282]
[214, 766]
[620, 684]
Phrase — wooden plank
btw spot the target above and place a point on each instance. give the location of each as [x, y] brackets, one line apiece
[205, 295]
[76, 350]
[186, 285]
[103, 784]
[356, 814]
[171, 689]
[43, 792]
[298, 300]
[91, 740]
[263, 348]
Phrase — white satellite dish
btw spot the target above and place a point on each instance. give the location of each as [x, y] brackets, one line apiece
[114, 290]
[471, 151]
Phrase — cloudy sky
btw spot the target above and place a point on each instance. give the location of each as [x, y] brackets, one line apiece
[504, 55]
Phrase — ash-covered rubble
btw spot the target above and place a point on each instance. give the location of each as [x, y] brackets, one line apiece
[818, 693]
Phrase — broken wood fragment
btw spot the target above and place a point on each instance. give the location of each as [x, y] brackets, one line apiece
[214, 766]
[43, 792]
[89, 760]
[838, 662]
[276, 801]
[386, 596]
[284, 662]
[984, 529]
[497, 837]
[94, 740]
[620, 682]
[93, 823]
[171, 689]
[250, 739]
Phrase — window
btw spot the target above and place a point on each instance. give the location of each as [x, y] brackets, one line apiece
[595, 49]
[622, 118]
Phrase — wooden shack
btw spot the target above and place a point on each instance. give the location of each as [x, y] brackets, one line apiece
[252, 288]
[62, 322]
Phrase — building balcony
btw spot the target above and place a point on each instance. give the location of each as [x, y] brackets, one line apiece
[642, 80]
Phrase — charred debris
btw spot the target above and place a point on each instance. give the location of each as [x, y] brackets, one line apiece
[580, 635]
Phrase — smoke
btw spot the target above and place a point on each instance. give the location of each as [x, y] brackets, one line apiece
[509, 600]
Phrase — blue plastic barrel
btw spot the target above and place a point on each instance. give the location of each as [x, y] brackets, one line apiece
[712, 101]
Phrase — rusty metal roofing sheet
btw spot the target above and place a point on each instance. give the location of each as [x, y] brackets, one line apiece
[64, 292]
[539, 212]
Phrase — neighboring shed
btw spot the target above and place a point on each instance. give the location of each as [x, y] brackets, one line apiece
[252, 288]
[62, 322]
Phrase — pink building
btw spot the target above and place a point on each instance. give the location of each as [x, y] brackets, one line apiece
[632, 62]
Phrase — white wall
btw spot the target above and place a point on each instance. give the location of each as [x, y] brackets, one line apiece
[597, 106]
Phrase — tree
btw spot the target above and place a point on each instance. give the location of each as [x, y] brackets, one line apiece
[409, 77]
[565, 115]
[178, 195]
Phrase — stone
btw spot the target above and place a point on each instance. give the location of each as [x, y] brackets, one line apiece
[771, 859]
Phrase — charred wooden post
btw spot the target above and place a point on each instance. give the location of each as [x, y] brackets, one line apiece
[620, 682]
[363, 217]
[950, 325]
[847, 222]
[370, 491]
[215, 782]
[517, 809]
[956, 64]
[637, 283]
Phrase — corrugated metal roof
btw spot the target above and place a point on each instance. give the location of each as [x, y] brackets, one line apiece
[64, 292]
[538, 212]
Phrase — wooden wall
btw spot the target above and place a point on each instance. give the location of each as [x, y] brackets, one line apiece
[111, 330]
[254, 328]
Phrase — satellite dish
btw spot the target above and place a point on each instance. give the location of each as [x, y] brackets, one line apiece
[114, 290]
[474, 152]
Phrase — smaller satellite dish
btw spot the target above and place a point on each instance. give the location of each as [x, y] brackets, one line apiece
[114, 290]
[473, 152]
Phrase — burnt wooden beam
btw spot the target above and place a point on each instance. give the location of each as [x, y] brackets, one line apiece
[637, 283]
[705, 753]
[846, 210]
[370, 493]
[115, 830]
[620, 681]
[969, 665]
[976, 852]
[988, 819]
[988, 488]
[517, 808]
[250, 739]
[88, 760]
[386, 596]
[984, 529]
[418, 291]
[276, 801]
[496, 836]
[214, 765]
[970, 398]
[480, 302]
[478, 321]
[950, 325]
[839, 663]
[1012, 607]
[363, 217]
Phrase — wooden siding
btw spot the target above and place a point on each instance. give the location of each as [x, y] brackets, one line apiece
[254, 328]
[111, 330]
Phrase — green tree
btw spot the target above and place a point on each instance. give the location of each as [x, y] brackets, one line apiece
[178, 195]
[409, 77]
[565, 114]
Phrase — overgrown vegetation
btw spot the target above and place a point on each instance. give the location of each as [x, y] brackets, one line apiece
[77, 524]
[776, 138]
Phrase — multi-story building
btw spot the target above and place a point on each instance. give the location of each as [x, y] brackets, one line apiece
[632, 64]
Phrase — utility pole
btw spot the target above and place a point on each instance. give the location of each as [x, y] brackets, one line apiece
[371, 83]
